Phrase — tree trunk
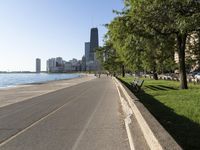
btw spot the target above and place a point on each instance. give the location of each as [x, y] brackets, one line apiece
[198, 53]
[123, 71]
[181, 39]
[155, 75]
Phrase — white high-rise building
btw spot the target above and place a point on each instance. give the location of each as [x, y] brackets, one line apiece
[51, 64]
[55, 64]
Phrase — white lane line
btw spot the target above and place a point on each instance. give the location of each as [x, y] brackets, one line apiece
[75, 146]
[71, 99]
[27, 128]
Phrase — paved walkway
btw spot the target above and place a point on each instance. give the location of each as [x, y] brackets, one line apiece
[86, 116]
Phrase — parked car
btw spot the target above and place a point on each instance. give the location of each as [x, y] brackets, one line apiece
[197, 76]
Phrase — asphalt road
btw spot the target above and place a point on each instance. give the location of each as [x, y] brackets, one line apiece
[86, 116]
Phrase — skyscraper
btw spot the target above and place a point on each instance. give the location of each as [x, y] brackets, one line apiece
[94, 43]
[38, 65]
[87, 51]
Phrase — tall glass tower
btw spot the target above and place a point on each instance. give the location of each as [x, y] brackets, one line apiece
[87, 51]
[94, 43]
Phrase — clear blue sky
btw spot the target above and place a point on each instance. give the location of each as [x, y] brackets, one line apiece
[44, 29]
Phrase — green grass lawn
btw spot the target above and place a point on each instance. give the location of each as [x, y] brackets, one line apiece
[177, 110]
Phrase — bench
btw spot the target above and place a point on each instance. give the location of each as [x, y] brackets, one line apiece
[137, 84]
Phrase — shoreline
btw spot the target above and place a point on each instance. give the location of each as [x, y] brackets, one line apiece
[39, 83]
[20, 93]
[49, 81]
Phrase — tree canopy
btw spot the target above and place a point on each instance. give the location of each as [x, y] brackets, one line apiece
[146, 34]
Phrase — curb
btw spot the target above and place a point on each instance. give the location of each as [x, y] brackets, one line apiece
[127, 120]
[149, 136]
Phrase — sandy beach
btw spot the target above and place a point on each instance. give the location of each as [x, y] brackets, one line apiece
[24, 92]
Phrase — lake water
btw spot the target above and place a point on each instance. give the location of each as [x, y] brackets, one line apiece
[13, 79]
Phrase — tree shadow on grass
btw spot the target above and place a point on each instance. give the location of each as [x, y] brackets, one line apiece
[155, 88]
[160, 87]
[168, 87]
[183, 130]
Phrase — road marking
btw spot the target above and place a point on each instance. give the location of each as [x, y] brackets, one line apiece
[71, 99]
[27, 128]
[75, 146]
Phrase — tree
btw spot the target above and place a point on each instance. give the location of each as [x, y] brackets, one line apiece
[136, 46]
[143, 25]
[145, 32]
[169, 18]
[108, 57]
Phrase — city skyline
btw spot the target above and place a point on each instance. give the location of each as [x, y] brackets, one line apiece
[89, 61]
[48, 29]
